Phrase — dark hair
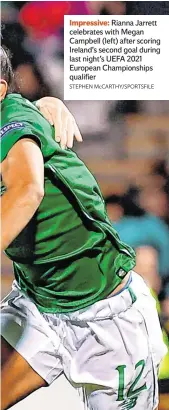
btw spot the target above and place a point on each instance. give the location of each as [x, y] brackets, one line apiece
[6, 68]
[127, 202]
[113, 199]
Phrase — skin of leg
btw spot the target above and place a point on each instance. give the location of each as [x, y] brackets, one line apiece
[18, 379]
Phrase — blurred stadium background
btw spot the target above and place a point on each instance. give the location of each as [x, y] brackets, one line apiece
[126, 146]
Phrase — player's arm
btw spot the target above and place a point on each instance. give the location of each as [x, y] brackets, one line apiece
[23, 177]
[55, 111]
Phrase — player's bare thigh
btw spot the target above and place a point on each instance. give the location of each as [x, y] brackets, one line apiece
[18, 379]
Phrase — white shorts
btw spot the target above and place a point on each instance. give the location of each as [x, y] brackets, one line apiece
[110, 351]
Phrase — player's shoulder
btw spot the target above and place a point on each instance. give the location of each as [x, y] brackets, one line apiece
[17, 110]
[15, 104]
[17, 121]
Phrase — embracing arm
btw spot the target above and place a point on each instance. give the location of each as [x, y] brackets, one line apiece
[23, 176]
[56, 112]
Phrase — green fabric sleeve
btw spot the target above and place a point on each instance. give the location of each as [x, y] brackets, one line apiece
[12, 133]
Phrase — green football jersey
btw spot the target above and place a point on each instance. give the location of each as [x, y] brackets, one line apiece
[68, 256]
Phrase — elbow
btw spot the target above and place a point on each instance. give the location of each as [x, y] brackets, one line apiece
[32, 195]
[36, 192]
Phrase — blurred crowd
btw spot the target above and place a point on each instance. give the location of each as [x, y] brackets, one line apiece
[128, 139]
[141, 217]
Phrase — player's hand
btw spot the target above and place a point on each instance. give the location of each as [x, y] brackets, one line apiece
[58, 115]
